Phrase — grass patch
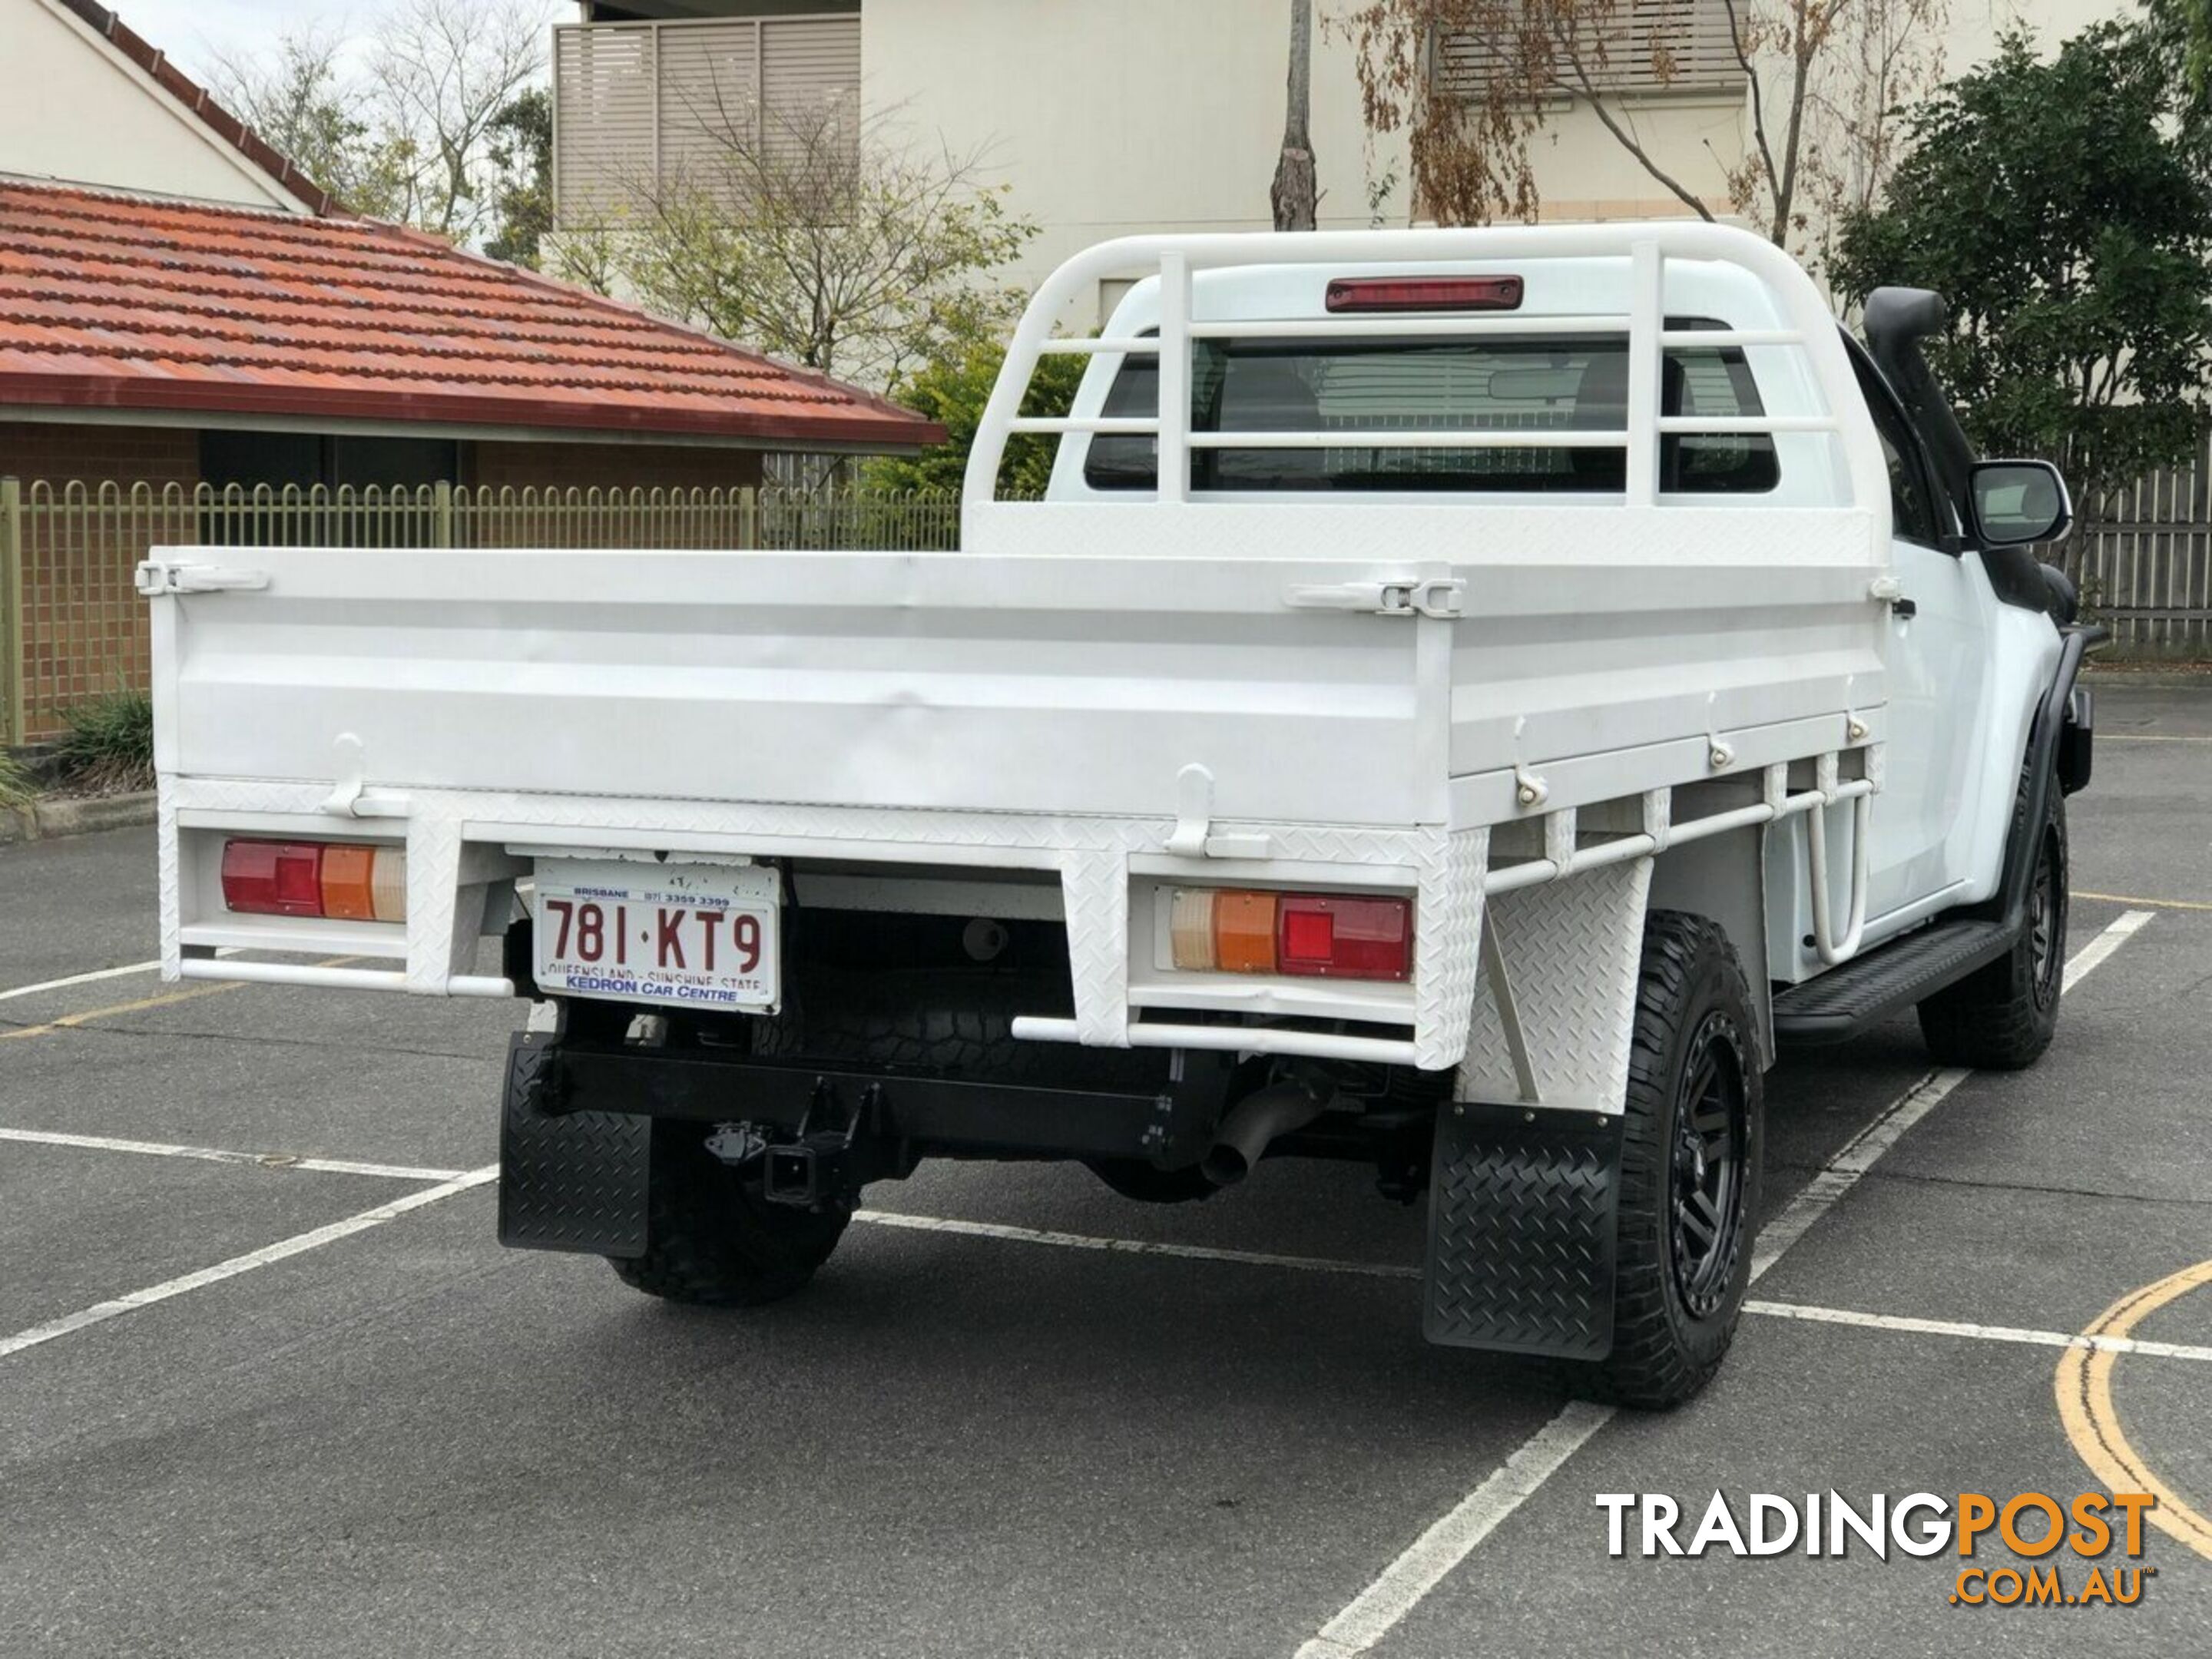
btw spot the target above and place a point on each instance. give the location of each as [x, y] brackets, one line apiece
[109, 746]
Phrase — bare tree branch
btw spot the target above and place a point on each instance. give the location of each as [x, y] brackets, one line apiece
[418, 136]
[1837, 69]
[800, 229]
[442, 73]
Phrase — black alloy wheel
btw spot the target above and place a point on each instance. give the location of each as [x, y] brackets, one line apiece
[1712, 1132]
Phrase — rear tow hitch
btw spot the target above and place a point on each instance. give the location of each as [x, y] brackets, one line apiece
[829, 1158]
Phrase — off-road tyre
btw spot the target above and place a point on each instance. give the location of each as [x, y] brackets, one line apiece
[2002, 1017]
[1694, 1056]
[713, 1240]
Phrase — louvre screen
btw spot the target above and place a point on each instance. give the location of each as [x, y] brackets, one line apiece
[1649, 45]
[640, 106]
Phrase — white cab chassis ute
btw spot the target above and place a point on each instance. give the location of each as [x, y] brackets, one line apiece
[1468, 697]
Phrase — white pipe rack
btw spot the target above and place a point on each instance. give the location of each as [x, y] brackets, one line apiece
[1645, 248]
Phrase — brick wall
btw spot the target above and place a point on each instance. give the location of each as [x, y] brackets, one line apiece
[94, 454]
[608, 466]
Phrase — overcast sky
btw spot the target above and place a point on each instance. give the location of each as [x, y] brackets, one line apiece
[195, 33]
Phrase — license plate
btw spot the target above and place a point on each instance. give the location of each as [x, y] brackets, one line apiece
[692, 935]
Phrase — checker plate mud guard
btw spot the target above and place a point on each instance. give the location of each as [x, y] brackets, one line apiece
[1525, 1178]
[1520, 1232]
[567, 1181]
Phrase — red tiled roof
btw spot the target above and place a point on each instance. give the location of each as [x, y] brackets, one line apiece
[116, 302]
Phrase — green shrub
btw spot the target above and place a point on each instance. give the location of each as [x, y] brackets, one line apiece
[109, 745]
[14, 781]
[952, 391]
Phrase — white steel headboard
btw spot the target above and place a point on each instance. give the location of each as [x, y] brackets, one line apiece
[1647, 247]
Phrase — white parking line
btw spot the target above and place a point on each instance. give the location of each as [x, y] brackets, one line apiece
[283, 1249]
[2124, 927]
[1011, 1235]
[1317, 1264]
[79, 979]
[1842, 1172]
[1979, 1333]
[95, 977]
[218, 1155]
[1375, 1610]
[938, 1224]
[1378, 1608]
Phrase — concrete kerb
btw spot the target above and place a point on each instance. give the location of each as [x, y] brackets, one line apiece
[2179, 677]
[42, 820]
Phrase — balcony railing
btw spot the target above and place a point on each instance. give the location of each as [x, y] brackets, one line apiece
[641, 110]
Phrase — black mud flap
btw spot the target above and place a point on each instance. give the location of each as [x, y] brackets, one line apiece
[1520, 1231]
[567, 1181]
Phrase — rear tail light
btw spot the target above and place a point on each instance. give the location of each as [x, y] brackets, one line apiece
[339, 881]
[1244, 932]
[1322, 935]
[1388, 293]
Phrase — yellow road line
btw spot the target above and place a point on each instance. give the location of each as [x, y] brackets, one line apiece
[2150, 737]
[69, 1021]
[2084, 1387]
[2156, 904]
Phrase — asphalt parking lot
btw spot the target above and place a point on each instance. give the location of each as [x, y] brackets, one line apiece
[268, 1386]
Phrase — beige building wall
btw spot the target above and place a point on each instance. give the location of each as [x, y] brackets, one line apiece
[74, 112]
[1166, 114]
[1111, 119]
[1583, 173]
[1973, 26]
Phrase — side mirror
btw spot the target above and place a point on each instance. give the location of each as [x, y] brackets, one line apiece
[2016, 502]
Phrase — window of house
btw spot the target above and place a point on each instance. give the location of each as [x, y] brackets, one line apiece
[304, 459]
[249, 474]
[1648, 45]
[1573, 383]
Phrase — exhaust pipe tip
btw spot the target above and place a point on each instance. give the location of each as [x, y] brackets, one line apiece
[1225, 1166]
[1253, 1123]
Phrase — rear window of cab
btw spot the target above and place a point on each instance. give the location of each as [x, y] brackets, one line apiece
[1451, 383]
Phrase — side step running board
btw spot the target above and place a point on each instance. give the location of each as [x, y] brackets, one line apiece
[1845, 1000]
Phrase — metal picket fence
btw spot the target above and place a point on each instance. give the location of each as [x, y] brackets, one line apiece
[72, 626]
[2143, 558]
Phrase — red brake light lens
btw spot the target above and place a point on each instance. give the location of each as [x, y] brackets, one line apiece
[1388, 294]
[340, 881]
[1308, 935]
[273, 877]
[1334, 937]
